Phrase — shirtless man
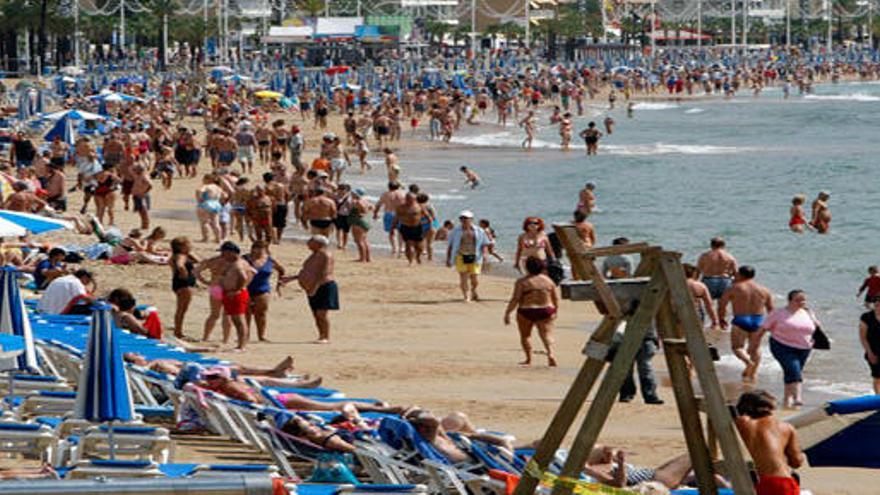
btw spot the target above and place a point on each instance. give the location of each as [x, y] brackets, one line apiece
[700, 294]
[140, 192]
[408, 220]
[234, 281]
[316, 279]
[718, 267]
[23, 199]
[226, 147]
[114, 155]
[279, 192]
[56, 196]
[320, 212]
[750, 302]
[390, 201]
[821, 219]
[773, 444]
[298, 185]
[609, 125]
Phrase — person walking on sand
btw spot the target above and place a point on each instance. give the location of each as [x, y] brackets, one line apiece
[718, 267]
[528, 124]
[183, 280]
[773, 444]
[535, 299]
[791, 341]
[466, 247]
[408, 220]
[320, 212]
[821, 220]
[390, 201]
[234, 282]
[750, 302]
[316, 279]
[591, 136]
[869, 336]
[358, 218]
[260, 288]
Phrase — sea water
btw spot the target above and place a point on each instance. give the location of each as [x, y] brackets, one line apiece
[678, 173]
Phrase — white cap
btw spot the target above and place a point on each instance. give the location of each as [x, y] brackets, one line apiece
[466, 214]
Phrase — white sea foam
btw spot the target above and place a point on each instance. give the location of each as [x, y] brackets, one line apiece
[655, 106]
[509, 140]
[694, 110]
[428, 179]
[846, 97]
[448, 197]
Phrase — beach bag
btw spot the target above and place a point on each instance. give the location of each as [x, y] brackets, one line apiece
[332, 467]
[821, 342]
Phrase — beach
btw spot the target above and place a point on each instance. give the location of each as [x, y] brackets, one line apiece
[403, 335]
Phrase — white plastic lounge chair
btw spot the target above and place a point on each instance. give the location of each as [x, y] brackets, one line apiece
[30, 439]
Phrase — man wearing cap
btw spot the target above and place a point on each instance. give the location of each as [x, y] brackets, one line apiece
[234, 283]
[69, 294]
[390, 201]
[320, 212]
[466, 247]
[316, 279]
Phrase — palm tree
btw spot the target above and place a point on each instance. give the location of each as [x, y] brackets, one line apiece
[437, 29]
[161, 9]
[312, 7]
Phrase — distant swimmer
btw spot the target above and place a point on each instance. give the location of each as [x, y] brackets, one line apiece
[528, 124]
[630, 109]
[591, 136]
[612, 97]
[565, 126]
[587, 198]
[821, 220]
[470, 177]
[609, 125]
[798, 220]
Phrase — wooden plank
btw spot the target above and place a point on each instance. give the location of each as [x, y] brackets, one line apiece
[584, 268]
[632, 248]
[716, 408]
[624, 289]
[606, 396]
[675, 350]
[568, 410]
[647, 263]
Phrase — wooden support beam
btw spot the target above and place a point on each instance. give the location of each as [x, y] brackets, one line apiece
[584, 268]
[571, 404]
[623, 289]
[719, 415]
[635, 248]
[636, 329]
[675, 352]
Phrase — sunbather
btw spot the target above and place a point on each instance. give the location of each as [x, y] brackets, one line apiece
[234, 389]
[458, 422]
[430, 427]
[270, 377]
[609, 467]
[333, 440]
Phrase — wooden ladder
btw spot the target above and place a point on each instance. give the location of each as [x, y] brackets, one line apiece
[661, 294]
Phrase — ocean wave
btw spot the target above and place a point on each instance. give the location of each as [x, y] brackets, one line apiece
[847, 97]
[509, 140]
[655, 106]
[694, 110]
[448, 197]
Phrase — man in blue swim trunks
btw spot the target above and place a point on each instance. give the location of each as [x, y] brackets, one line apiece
[390, 201]
[718, 268]
[750, 301]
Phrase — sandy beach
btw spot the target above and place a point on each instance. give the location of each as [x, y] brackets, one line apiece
[404, 336]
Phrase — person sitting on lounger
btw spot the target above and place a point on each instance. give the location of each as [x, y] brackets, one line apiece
[458, 422]
[430, 427]
[333, 440]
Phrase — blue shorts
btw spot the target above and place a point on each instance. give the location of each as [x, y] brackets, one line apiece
[791, 359]
[388, 221]
[717, 285]
[748, 323]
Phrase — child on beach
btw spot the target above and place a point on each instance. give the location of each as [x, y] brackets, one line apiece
[140, 193]
[442, 233]
[872, 284]
[165, 166]
[798, 220]
[490, 233]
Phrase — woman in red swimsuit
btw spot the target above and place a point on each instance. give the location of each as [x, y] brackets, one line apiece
[798, 221]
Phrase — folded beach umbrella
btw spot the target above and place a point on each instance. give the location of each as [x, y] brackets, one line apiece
[842, 433]
[14, 322]
[102, 392]
[35, 224]
[24, 106]
[11, 346]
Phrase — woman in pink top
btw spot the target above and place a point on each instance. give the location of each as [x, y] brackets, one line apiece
[791, 329]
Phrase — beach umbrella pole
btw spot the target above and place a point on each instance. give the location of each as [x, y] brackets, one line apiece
[111, 442]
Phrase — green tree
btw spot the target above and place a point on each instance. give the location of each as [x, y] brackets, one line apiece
[312, 7]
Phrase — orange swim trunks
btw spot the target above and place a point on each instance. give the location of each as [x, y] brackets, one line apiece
[236, 304]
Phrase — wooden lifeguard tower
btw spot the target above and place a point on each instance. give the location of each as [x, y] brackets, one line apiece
[658, 291]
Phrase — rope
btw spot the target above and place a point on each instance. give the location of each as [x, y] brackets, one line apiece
[580, 487]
